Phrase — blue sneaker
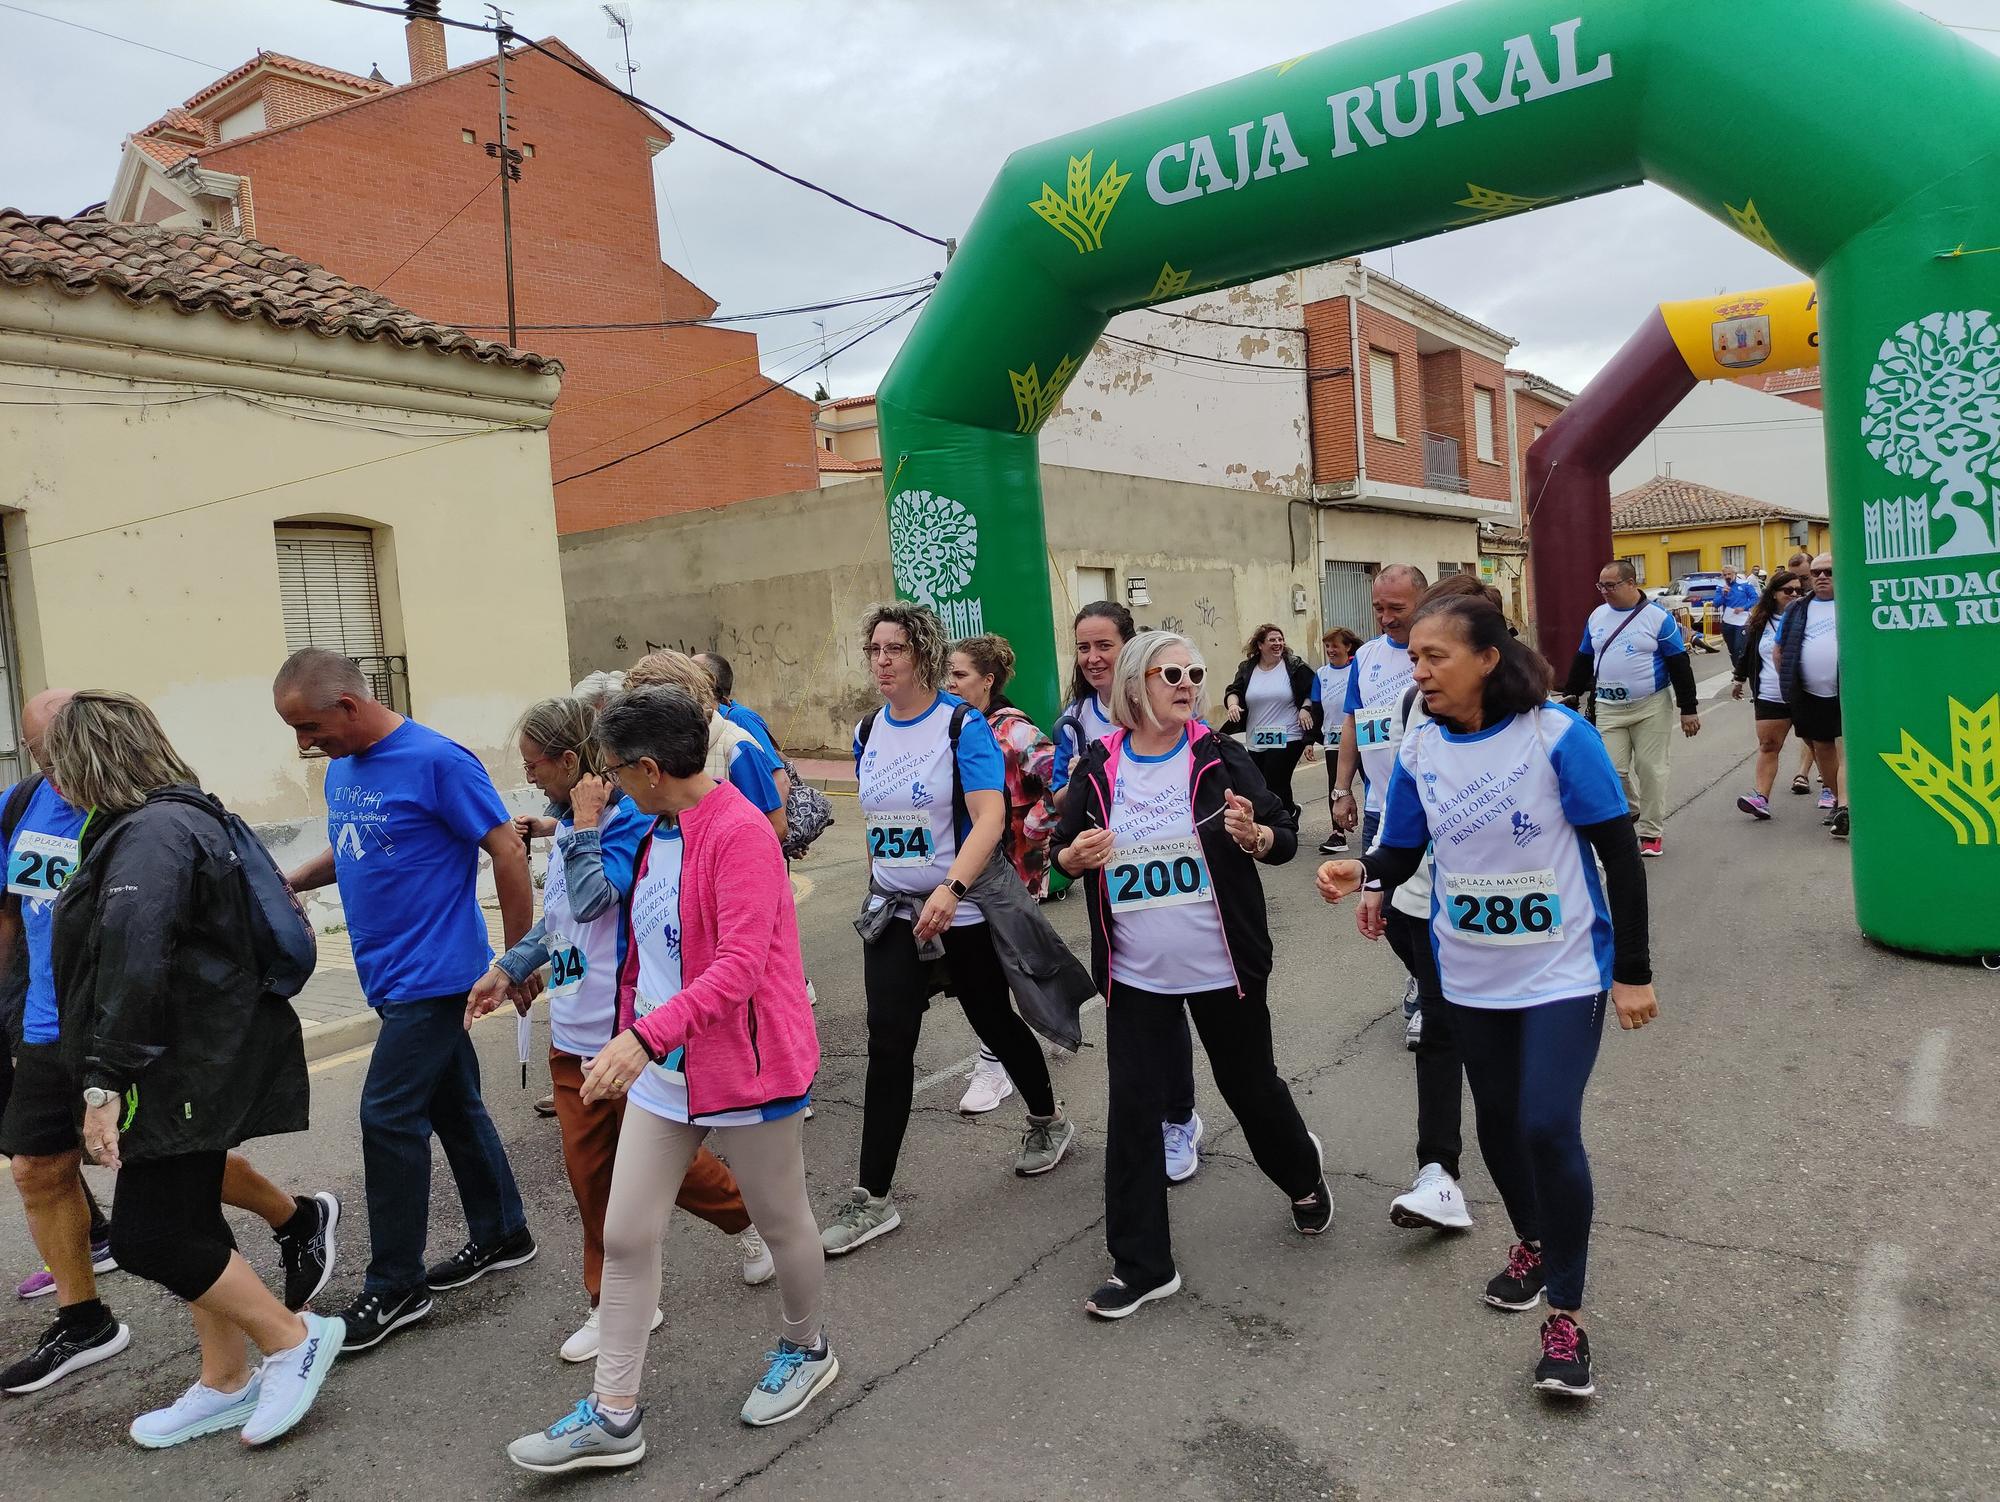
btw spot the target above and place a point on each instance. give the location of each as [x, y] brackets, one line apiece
[290, 1380]
[581, 1439]
[794, 1377]
[1183, 1139]
[198, 1411]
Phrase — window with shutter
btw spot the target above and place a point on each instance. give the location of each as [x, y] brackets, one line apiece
[327, 587]
[1382, 393]
[1346, 596]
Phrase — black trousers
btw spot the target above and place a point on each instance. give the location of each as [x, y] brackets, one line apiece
[1277, 767]
[1440, 1095]
[897, 1001]
[1139, 1032]
[167, 1224]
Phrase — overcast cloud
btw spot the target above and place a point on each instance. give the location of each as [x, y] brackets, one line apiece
[908, 106]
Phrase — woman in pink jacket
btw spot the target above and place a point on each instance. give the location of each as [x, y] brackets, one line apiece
[715, 1034]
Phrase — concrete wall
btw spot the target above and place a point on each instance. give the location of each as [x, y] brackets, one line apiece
[140, 529]
[1736, 439]
[778, 585]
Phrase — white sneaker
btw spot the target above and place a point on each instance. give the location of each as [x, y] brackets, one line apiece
[1413, 1030]
[582, 1346]
[812, 994]
[757, 1264]
[290, 1380]
[988, 1087]
[1183, 1143]
[198, 1411]
[1433, 1203]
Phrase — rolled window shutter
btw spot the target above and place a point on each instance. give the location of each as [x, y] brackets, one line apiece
[327, 587]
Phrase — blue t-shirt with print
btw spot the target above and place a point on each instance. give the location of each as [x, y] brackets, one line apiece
[745, 718]
[406, 817]
[41, 857]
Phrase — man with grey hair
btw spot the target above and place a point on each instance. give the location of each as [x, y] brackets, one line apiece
[408, 812]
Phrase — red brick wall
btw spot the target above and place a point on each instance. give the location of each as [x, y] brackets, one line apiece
[1399, 460]
[1330, 398]
[288, 101]
[1487, 479]
[361, 189]
[1529, 411]
[1446, 412]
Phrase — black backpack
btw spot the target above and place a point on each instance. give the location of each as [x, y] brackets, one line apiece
[287, 949]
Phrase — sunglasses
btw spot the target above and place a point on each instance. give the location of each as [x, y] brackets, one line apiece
[1822, 573]
[1791, 589]
[1175, 675]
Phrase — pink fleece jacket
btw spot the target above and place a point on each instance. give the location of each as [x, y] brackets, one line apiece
[741, 1014]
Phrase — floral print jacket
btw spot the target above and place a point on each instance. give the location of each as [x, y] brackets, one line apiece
[1031, 813]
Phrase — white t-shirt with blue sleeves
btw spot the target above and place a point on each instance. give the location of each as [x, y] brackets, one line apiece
[1518, 916]
[905, 775]
[1329, 691]
[1096, 725]
[1382, 671]
[1633, 666]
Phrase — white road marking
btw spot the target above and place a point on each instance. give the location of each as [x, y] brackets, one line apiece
[963, 1067]
[1925, 1089]
[1857, 1413]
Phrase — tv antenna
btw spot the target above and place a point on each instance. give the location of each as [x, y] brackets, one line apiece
[620, 18]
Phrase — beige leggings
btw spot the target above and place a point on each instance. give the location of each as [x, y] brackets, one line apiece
[653, 1158]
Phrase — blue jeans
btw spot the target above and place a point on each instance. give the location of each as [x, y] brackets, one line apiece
[422, 1078]
[1528, 1068]
[1732, 638]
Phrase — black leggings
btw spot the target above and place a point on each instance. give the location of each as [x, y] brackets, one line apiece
[897, 1001]
[1277, 767]
[167, 1225]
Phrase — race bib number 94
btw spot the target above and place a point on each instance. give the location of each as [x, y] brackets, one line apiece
[1373, 730]
[567, 968]
[1521, 907]
[1160, 873]
[900, 839]
[40, 864]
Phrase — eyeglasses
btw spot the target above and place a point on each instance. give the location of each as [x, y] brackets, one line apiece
[1821, 573]
[529, 763]
[889, 649]
[1173, 674]
[1605, 587]
[612, 768]
[1791, 589]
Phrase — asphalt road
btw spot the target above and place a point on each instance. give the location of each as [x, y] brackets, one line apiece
[1793, 1290]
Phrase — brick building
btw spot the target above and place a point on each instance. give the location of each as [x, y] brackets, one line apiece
[391, 187]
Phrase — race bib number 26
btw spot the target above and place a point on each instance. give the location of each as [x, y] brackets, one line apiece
[1519, 907]
[40, 864]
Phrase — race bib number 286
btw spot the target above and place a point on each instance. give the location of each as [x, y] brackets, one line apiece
[1518, 907]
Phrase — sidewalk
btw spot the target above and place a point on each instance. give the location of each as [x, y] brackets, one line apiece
[826, 774]
[333, 1013]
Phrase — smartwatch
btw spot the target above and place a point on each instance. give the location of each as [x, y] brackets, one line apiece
[93, 1097]
[958, 888]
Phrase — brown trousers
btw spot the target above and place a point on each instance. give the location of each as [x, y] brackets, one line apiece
[590, 1147]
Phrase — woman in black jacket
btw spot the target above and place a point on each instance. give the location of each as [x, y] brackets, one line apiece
[181, 1054]
[1163, 827]
[1271, 699]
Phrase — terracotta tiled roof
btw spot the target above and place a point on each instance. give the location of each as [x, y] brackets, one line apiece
[178, 121]
[1666, 502]
[195, 270]
[831, 463]
[1778, 382]
[293, 65]
[166, 153]
[849, 401]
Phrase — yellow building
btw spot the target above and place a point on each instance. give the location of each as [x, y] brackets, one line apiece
[1668, 529]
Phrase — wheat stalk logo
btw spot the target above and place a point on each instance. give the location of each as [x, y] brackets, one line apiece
[1034, 401]
[1171, 283]
[1491, 203]
[1750, 224]
[1965, 794]
[1079, 217]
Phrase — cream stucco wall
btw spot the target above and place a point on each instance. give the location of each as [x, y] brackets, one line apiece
[779, 584]
[141, 508]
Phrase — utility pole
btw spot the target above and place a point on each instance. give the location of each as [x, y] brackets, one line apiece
[510, 165]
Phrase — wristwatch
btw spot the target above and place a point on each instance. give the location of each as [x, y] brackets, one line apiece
[957, 888]
[1346, 793]
[93, 1097]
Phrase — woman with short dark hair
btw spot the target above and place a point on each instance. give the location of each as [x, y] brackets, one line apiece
[182, 1057]
[714, 1035]
[1511, 795]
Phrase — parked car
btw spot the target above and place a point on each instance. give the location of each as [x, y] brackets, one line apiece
[1700, 589]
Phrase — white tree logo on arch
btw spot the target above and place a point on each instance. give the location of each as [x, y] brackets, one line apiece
[1933, 414]
[933, 547]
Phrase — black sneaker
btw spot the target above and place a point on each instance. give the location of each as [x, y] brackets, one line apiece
[1519, 1286]
[1314, 1214]
[474, 1261]
[1334, 844]
[309, 1254]
[1114, 1299]
[61, 1351]
[1565, 1365]
[1839, 822]
[374, 1317]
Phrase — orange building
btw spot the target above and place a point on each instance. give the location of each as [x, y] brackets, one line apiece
[391, 186]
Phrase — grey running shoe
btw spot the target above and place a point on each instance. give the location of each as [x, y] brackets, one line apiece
[792, 1379]
[1044, 1143]
[581, 1439]
[861, 1218]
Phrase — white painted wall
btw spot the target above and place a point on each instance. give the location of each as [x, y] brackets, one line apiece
[1740, 440]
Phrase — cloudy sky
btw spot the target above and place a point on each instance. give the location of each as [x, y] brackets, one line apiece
[908, 106]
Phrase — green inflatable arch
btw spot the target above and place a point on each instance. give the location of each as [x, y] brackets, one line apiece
[1854, 138]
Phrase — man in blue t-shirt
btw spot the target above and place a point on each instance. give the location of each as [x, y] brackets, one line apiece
[408, 812]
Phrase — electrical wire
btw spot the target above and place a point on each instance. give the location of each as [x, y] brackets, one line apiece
[114, 36]
[1187, 354]
[508, 34]
[739, 406]
[382, 282]
[716, 318]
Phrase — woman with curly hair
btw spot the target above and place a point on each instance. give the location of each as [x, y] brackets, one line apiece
[1272, 701]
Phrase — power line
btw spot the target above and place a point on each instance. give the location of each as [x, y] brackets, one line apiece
[1186, 354]
[717, 318]
[383, 282]
[112, 35]
[739, 406]
[507, 34]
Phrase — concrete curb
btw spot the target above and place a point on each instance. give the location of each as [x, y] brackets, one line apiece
[324, 1039]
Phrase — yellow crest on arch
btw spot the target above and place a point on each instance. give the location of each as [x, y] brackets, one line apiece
[1079, 214]
[1035, 399]
[1966, 792]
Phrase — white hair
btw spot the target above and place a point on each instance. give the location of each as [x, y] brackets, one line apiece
[1131, 706]
[595, 688]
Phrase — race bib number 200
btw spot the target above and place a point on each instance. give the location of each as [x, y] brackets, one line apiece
[40, 864]
[1519, 907]
[900, 839]
[1159, 873]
